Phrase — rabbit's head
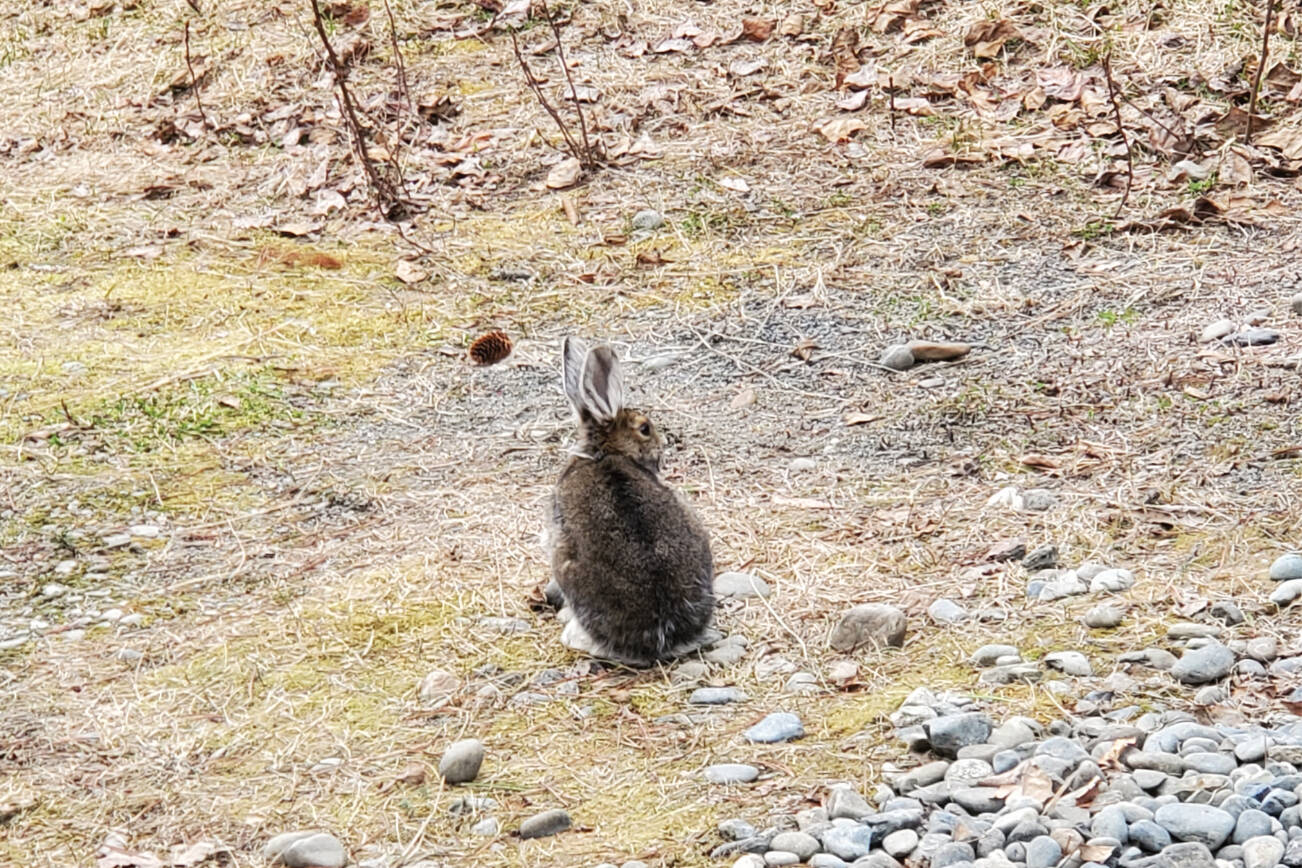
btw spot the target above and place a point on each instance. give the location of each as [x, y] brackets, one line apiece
[594, 384]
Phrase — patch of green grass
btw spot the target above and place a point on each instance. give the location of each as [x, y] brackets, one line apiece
[1109, 318]
[1197, 187]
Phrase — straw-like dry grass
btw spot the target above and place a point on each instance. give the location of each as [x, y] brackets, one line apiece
[342, 500]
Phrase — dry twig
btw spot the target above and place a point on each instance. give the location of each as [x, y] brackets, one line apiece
[1125, 140]
[387, 192]
[1261, 66]
[194, 81]
[587, 155]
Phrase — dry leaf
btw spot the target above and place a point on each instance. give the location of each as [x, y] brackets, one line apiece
[914, 105]
[853, 101]
[938, 351]
[409, 272]
[1287, 141]
[757, 29]
[840, 129]
[792, 25]
[845, 53]
[804, 350]
[859, 418]
[734, 183]
[1235, 170]
[743, 68]
[651, 258]
[744, 398]
[986, 38]
[564, 174]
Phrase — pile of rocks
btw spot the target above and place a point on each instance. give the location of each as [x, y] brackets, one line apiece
[1123, 788]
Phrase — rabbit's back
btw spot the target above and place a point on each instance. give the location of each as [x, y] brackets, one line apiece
[631, 557]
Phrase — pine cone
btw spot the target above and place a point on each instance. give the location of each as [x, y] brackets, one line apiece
[490, 349]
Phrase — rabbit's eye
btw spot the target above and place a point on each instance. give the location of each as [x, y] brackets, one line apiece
[644, 429]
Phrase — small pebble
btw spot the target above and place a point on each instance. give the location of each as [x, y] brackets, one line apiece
[716, 696]
[776, 727]
[487, 828]
[1041, 558]
[461, 761]
[305, 850]
[897, 357]
[740, 585]
[946, 611]
[1103, 617]
[1211, 662]
[545, 824]
[648, 219]
[1113, 581]
[900, 843]
[1286, 567]
[731, 773]
[869, 624]
[1217, 330]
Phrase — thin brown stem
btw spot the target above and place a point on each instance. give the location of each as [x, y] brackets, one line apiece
[1261, 68]
[588, 159]
[194, 81]
[532, 82]
[388, 198]
[1125, 139]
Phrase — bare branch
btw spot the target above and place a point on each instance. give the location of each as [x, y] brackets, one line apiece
[194, 81]
[1261, 67]
[1125, 139]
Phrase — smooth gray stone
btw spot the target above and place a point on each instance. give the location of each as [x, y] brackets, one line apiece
[799, 843]
[844, 801]
[848, 843]
[1150, 836]
[461, 761]
[545, 824]
[731, 773]
[716, 696]
[1201, 824]
[776, 727]
[1211, 662]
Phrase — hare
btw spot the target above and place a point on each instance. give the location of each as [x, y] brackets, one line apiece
[630, 556]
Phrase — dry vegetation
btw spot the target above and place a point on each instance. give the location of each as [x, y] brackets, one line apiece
[209, 330]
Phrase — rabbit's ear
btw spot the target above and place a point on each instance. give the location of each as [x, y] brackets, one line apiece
[602, 384]
[573, 353]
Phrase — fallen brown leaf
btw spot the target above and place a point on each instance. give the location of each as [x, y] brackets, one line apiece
[840, 129]
[757, 29]
[986, 38]
[564, 174]
[845, 53]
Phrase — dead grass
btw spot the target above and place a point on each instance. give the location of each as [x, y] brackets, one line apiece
[342, 498]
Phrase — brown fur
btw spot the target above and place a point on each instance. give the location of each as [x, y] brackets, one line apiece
[631, 557]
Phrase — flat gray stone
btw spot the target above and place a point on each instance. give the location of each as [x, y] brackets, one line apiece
[1211, 662]
[949, 733]
[946, 611]
[900, 843]
[305, 850]
[776, 727]
[731, 773]
[844, 801]
[988, 655]
[716, 696]
[848, 842]
[740, 586]
[869, 624]
[647, 220]
[1069, 662]
[1287, 593]
[1200, 824]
